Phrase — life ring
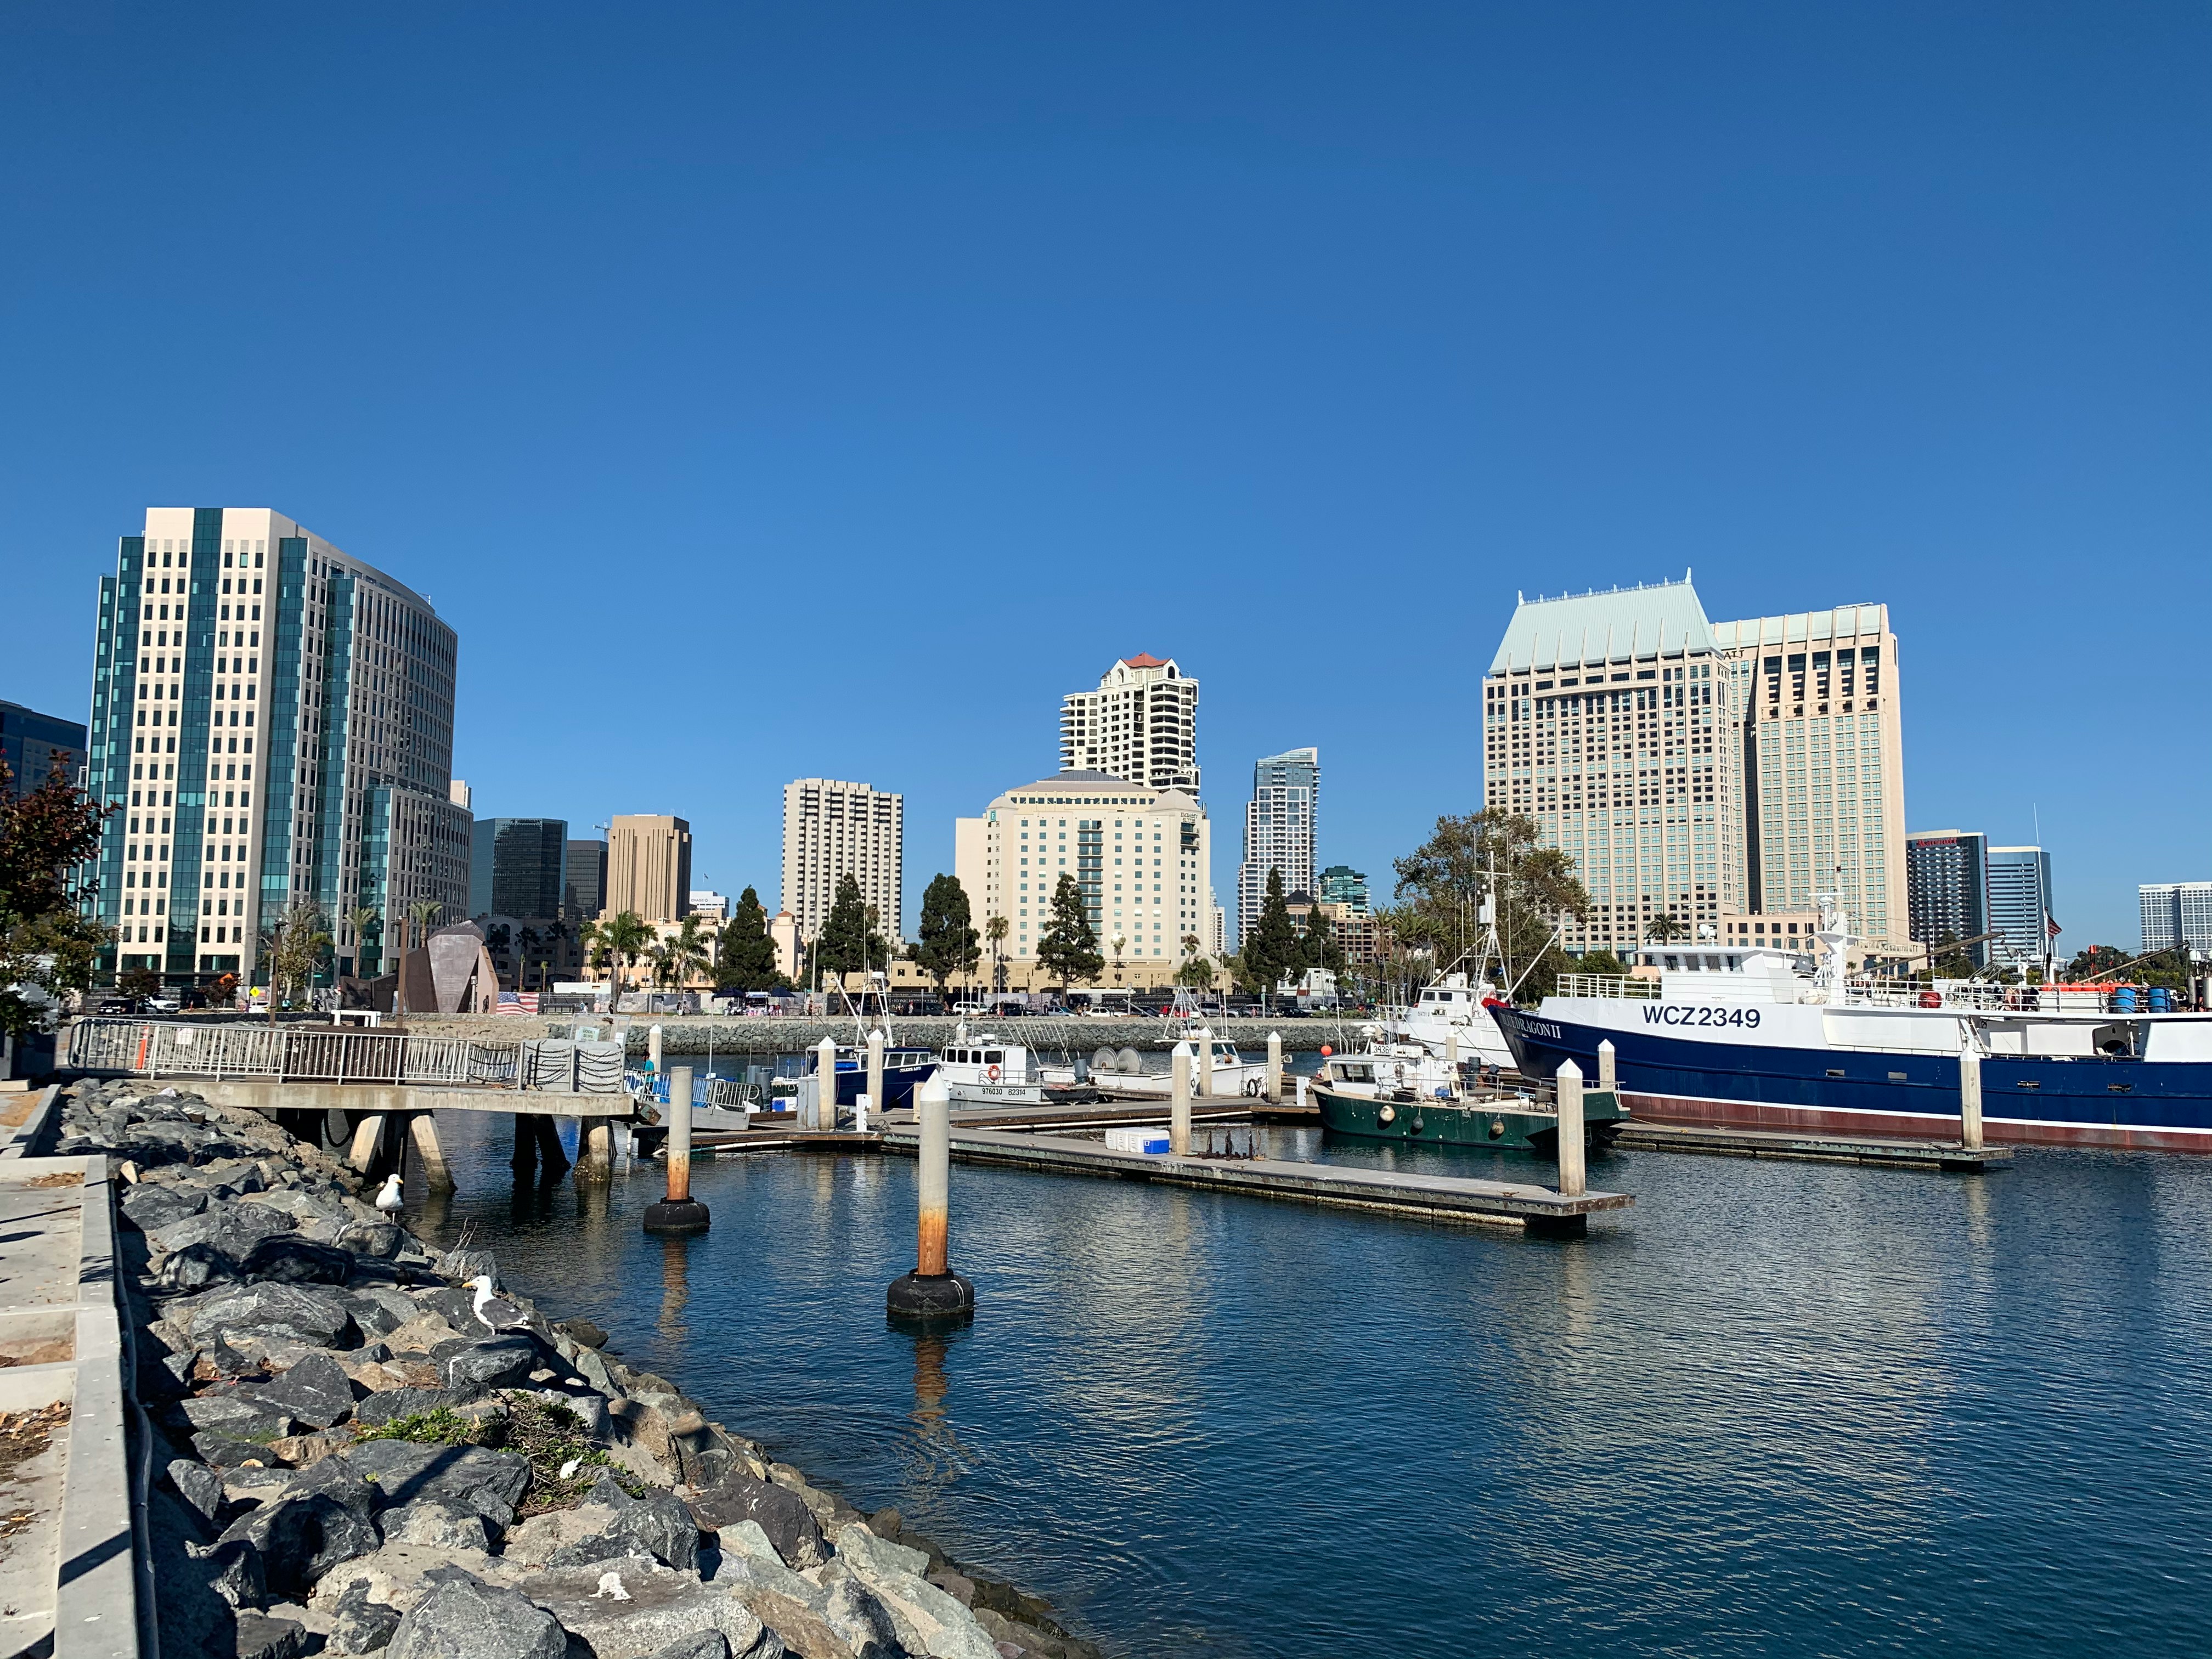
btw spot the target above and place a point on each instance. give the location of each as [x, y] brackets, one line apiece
[1931, 998]
[1387, 1114]
[991, 1073]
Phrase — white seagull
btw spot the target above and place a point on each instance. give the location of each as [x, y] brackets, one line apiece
[495, 1313]
[388, 1200]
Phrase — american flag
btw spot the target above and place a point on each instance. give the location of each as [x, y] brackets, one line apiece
[518, 1002]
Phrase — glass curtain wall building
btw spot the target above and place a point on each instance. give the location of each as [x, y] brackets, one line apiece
[1278, 831]
[1947, 887]
[273, 722]
[2020, 905]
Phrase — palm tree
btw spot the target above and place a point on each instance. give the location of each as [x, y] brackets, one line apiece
[625, 938]
[359, 921]
[691, 951]
[996, 930]
[663, 958]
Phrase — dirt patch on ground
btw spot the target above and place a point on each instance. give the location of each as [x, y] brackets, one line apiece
[23, 1436]
[60, 1178]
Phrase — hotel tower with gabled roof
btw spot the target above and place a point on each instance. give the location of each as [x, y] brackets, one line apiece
[1139, 726]
[1693, 768]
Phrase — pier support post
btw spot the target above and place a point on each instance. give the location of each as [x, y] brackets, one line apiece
[595, 1150]
[653, 1051]
[825, 1084]
[553, 1162]
[368, 1134]
[1179, 1106]
[678, 1212]
[1970, 1098]
[1204, 1043]
[1451, 1057]
[875, 1077]
[436, 1177]
[1275, 1067]
[933, 1290]
[524, 1158]
[1571, 1129]
[1608, 1078]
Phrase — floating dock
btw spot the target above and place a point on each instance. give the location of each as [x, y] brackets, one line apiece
[1950, 1156]
[1432, 1198]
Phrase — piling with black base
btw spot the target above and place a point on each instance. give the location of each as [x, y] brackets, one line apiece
[678, 1212]
[933, 1290]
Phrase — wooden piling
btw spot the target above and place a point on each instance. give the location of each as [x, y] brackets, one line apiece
[1204, 1042]
[1275, 1090]
[1608, 1078]
[1179, 1105]
[875, 1077]
[1570, 1081]
[825, 1085]
[595, 1150]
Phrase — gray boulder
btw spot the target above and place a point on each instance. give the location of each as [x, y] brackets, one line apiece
[286, 1312]
[490, 1483]
[300, 1538]
[379, 1240]
[389, 1404]
[700, 1644]
[296, 1261]
[237, 1411]
[231, 1228]
[195, 1268]
[231, 1569]
[467, 1618]
[439, 1522]
[314, 1391]
[380, 1310]
[200, 1488]
[781, 1515]
[502, 1362]
[151, 1207]
[928, 1620]
[633, 1607]
[260, 1637]
[358, 1625]
[659, 1526]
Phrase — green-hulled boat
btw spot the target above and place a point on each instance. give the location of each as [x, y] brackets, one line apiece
[1377, 1097]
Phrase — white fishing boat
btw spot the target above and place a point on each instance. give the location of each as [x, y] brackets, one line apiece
[1232, 1074]
[1452, 1013]
[989, 1071]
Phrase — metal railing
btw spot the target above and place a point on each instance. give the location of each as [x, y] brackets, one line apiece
[1606, 984]
[320, 1054]
[727, 1093]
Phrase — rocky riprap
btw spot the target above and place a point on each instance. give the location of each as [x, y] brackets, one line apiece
[347, 1461]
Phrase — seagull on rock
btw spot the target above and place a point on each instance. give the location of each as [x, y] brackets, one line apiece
[495, 1313]
[388, 1201]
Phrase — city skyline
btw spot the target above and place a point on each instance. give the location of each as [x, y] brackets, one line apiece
[974, 353]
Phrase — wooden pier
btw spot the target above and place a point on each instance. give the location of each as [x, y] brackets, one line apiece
[1949, 1156]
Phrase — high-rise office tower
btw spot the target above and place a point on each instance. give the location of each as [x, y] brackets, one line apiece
[518, 868]
[2176, 915]
[273, 721]
[29, 742]
[2020, 905]
[1278, 831]
[1605, 718]
[648, 867]
[1947, 889]
[1342, 884]
[1816, 695]
[832, 830]
[584, 880]
[1693, 768]
[1139, 726]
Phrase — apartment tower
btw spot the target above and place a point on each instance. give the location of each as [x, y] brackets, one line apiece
[832, 830]
[648, 867]
[518, 868]
[2176, 915]
[273, 722]
[1279, 831]
[2020, 905]
[1139, 726]
[1946, 890]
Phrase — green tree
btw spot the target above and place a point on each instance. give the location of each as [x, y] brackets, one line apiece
[46, 943]
[1664, 929]
[623, 939]
[842, 946]
[291, 946]
[1599, 961]
[1320, 947]
[1442, 882]
[747, 962]
[996, 930]
[1068, 951]
[685, 954]
[360, 921]
[1196, 972]
[1949, 961]
[948, 949]
[1274, 952]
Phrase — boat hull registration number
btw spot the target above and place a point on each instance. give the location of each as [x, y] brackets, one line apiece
[1669, 1013]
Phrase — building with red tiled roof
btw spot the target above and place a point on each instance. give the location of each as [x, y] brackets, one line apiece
[1139, 726]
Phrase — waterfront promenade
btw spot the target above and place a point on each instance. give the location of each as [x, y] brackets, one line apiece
[1050, 1035]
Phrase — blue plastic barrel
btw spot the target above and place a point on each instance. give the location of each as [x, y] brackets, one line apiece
[2161, 999]
[2123, 1000]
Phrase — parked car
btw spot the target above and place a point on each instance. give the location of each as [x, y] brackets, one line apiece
[165, 1002]
[116, 1006]
[192, 999]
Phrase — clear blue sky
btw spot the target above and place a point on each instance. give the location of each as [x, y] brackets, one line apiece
[809, 389]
